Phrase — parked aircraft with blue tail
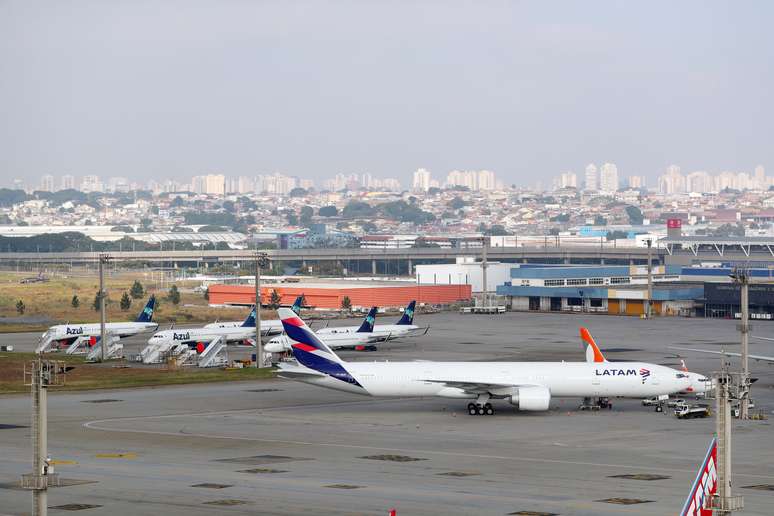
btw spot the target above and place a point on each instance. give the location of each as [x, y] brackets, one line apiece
[268, 327]
[64, 335]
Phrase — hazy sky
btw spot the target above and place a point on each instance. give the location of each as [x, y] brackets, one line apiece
[528, 89]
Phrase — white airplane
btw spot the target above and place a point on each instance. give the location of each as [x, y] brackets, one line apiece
[268, 327]
[192, 336]
[381, 332]
[360, 340]
[526, 385]
[697, 383]
[64, 335]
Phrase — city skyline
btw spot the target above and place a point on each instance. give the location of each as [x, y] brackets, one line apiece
[313, 90]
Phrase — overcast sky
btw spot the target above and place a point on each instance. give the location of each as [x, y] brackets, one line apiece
[163, 89]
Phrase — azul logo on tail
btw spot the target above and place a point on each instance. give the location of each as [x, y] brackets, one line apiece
[147, 313]
[250, 320]
[408, 314]
[310, 351]
[297, 304]
[368, 322]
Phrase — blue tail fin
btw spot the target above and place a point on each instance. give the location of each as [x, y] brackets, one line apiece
[147, 313]
[408, 314]
[250, 321]
[299, 302]
[368, 322]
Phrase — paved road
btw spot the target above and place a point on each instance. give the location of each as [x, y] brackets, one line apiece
[287, 448]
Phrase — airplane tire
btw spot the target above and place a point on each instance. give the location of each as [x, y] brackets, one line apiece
[480, 410]
[472, 409]
[488, 409]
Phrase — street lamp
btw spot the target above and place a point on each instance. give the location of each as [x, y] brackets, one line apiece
[261, 261]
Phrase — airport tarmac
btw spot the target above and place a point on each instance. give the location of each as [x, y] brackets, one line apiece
[280, 447]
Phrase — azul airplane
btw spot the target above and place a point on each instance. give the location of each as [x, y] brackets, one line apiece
[359, 340]
[245, 332]
[526, 385]
[65, 334]
[381, 332]
[270, 327]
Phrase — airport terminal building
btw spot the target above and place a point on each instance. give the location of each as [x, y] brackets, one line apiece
[604, 289]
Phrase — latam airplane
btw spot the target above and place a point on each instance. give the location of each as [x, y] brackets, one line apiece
[268, 327]
[381, 332]
[526, 385]
[360, 340]
[66, 334]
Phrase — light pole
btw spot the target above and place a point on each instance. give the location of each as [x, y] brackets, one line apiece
[261, 260]
[103, 259]
[741, 276]
[648, 308]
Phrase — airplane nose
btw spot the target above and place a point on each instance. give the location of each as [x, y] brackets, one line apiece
[274, 347]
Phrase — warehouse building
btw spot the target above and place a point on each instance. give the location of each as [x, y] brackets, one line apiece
[606, 289]
[329, 296]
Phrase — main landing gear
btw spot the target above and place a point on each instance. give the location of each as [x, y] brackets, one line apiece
[477, 409]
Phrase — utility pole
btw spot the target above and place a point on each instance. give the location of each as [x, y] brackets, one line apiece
[648, 307]
[261, 260]
[484, 266]
[741, 276]
[103, 259]
[40, 375]
[723, 502]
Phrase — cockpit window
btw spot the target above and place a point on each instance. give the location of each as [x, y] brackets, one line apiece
[681, 375]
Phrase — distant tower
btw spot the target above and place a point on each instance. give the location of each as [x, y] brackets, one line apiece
[421, 180]
[592, 177]
[608, 178]
[47, 183]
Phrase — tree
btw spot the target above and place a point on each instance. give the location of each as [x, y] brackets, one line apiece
[298, 192]
[20, 308]
[358, 209]
[75, 302]
[328, 211]
[498, 230]
[306, 216]
[174, 295]
[137, 291]
[274, 300]
[599, 220]
[635, 215]
[457, 203]
[346, 304]
[126, 302]
[368, 226]
[95, 305]
[292, 218]
[433, 191]
[564, 217]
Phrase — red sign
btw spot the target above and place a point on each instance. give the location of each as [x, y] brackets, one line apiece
[705, 485]
[674, 223]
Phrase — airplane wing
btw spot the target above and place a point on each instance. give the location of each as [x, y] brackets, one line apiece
[727, 353]
[475, 387]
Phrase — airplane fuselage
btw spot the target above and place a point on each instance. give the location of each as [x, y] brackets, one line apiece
[562, 379]
[240, 333]
[119, 329]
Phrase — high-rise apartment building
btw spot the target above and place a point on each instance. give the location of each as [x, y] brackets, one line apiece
[760, 178]
[608, 178]
[672, 182]
[591, 178]
[68, 182]
[636, 182]
[47, 183]
[422, 180]
[486, 180]
[91, 183]
[276, 184]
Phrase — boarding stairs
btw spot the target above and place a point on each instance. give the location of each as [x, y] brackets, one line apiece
[214, 355]
[115, 349]
[46, 343]
[80, 346]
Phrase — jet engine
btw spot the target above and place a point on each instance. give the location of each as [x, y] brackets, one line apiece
[535, 397]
